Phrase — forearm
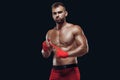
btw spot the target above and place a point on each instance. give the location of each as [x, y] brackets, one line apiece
[79, 51]
[46, 49]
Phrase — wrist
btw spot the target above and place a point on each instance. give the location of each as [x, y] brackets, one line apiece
[62, 54]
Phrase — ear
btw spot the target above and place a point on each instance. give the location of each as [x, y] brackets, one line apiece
[66, 13]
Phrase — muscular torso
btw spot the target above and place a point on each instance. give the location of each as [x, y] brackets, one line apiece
[64, 39]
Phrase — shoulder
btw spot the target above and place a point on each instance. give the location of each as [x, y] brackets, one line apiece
[48, 34]
[76, 28]
[50, 31]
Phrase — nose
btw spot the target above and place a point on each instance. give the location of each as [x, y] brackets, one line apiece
[57, 16]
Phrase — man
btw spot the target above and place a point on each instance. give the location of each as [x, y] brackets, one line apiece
[67, 41]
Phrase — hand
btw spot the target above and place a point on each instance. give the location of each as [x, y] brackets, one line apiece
[45, 46]
[59, 52]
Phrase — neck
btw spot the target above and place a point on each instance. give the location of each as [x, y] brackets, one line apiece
[60, 25]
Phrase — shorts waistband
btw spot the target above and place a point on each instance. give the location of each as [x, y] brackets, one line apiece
[65, 66]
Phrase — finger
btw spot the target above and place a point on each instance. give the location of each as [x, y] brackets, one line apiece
[50, 43]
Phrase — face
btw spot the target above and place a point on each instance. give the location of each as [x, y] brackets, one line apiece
[59, 14]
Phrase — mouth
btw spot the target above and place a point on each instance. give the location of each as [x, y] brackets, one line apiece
[57, 18]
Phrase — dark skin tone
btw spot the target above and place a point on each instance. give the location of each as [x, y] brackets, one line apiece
[67, 36]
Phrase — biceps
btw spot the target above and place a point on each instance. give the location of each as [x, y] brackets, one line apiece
[80, 39]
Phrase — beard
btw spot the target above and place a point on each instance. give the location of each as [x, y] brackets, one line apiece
[59, 21]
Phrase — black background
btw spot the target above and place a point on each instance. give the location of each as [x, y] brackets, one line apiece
[24, 26]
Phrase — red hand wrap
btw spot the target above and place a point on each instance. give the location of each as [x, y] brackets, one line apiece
[44, 46]
[59, 52]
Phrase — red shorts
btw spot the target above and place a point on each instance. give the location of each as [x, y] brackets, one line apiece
[66, 72]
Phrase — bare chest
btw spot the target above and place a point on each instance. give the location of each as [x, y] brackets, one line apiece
[62, 38]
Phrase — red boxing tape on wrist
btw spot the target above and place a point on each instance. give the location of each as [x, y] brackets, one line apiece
[44, 46]
[61, 53]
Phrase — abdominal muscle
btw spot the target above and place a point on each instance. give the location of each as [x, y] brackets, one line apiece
[65, 61]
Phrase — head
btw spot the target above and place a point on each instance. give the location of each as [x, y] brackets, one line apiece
[59, 12]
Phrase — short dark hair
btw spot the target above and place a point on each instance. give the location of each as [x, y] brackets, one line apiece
[56, 4]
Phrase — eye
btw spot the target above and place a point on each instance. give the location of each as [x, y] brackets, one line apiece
[60, 12]
[54, 13]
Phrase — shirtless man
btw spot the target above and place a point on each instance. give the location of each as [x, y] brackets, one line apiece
[67, 41]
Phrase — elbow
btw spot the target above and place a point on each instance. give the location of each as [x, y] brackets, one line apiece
[45, 55]
[85, 49]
